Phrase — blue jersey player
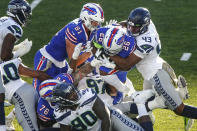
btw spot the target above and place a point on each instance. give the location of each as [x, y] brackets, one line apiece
[127, 43]
[52, 57]
[45, 107]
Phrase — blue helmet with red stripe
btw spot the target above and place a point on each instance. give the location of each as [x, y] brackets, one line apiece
[92, 12]
[113, 40]
[64, 77]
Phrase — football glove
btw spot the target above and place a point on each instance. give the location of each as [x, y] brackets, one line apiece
[77, 51]
[23, 48]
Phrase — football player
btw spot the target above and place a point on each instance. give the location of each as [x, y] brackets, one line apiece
[18, 13]
[117, 80]
[52, 57]
[156, 72]
[21, 94]
[83, 110]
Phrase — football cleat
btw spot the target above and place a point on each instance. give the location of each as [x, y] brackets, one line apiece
[182, 87]
[188, 123]
[9, 124]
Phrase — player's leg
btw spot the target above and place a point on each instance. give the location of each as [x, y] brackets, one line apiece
[2, 111]
[25, 99]
[40, 63]
[165, 88]
[121, 122]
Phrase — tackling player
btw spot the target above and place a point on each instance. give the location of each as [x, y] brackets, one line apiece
[18, 13]
[52, 57]
[83, 110]
[152, 67]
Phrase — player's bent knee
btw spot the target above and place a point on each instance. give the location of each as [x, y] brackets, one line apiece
[179, 109]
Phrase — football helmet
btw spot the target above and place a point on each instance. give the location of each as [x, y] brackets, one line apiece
[138, 21]
[64, 77]
[113, 40]
[20, 10]
[65, 95]
[92, 12]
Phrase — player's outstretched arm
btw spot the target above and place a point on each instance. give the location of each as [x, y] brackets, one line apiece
[103, 113]
[125, 63]
[28, 72]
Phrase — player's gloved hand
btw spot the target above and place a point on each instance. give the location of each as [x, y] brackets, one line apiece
[77, 51]
[88, 47]
[118, 98]
[106, 62]
[23, 48]
[111, 22]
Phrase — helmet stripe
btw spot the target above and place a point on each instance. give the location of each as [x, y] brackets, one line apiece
[47, 84]
[114, 31]
[89, 9]
[101, 11]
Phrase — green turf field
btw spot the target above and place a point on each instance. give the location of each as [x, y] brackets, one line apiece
[176, 23]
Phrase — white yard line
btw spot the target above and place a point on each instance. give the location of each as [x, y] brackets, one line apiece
[185, 56]
[35, 3]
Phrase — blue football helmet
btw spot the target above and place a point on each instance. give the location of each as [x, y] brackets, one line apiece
[138, 21]
[20, 10]
[65, 95]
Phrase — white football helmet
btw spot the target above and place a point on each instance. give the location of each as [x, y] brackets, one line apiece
[113, 40]
[92, 12]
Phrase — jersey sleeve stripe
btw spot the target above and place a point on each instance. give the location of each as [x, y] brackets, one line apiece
[44, 118]
[68, 37]
[71, 34]
[9, 28]
[63, 116]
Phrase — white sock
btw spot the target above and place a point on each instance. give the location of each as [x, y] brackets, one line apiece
[142, 110]
[2, 128]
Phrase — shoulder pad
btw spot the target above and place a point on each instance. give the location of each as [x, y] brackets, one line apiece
[16, 30]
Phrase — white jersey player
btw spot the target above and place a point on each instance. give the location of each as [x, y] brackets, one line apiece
[10, 31]
[156, 72]
[19, 93]
[83, 110]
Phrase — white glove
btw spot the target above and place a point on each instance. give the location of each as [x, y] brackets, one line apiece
[95, 62]
[77, 51]
[111, 22]
[23, 48]
[88, 47]
[106, 62]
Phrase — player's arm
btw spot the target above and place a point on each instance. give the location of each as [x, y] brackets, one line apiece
[65, 128]
[74, 62]
[103, 113]
[7, 47]
[28, 72]
[123, 23]
[81, 73]
[125, 63]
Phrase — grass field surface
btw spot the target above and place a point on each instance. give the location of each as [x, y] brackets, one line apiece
[176, 23]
